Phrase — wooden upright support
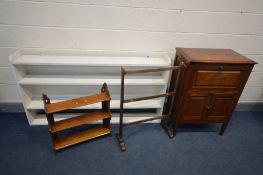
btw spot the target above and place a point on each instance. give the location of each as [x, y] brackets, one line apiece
[122, 100]
[57, 126]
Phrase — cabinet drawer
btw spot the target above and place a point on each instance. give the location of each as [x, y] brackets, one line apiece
[218, 76]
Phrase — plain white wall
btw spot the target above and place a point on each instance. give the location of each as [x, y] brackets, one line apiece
[131, 25]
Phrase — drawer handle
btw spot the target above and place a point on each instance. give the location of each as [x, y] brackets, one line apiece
[208, 108]
[221, 67]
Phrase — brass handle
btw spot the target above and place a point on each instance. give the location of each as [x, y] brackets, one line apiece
[208, 108]
[221, 67]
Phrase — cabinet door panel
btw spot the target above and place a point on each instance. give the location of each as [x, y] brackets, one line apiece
[222, 105]
[194, 106]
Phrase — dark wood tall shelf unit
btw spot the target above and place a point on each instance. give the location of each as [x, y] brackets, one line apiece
[57, 126]
[209, 87]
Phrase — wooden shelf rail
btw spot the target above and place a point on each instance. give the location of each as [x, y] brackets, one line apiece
[122, 100]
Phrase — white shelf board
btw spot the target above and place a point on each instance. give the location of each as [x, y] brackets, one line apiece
[115, 104]
[92, 80]
[92, 60]
[40, 119]
[65, 74]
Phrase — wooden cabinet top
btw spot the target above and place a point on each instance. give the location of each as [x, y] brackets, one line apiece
[206, 55]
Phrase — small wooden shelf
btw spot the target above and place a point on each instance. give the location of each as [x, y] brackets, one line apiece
[73, 103]
[57, 126]
[79, 120]
[79, 137]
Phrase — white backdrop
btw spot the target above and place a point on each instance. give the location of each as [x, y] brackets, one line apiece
[131, 25]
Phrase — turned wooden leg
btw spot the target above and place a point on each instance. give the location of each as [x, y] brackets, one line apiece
[176, 126]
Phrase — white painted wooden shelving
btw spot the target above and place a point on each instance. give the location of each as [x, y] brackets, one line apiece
[70, 75]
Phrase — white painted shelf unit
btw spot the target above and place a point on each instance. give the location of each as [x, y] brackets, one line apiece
[65, 76]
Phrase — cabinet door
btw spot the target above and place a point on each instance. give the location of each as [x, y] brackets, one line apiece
[221, 106]
[194, 107]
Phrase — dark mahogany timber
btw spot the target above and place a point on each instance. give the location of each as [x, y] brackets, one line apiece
[79, 120]
[171, 94]
[209, 87]
[79, 137]
[74, 103]
[57, 126]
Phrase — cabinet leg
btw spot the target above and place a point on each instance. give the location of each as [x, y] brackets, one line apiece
[167, 126]
[169, 131]
[223, 127]
[176, 125]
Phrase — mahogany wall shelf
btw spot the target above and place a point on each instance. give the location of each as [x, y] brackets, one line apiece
[57, 126]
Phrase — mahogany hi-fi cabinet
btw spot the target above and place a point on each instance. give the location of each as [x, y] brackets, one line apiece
[209, 87]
